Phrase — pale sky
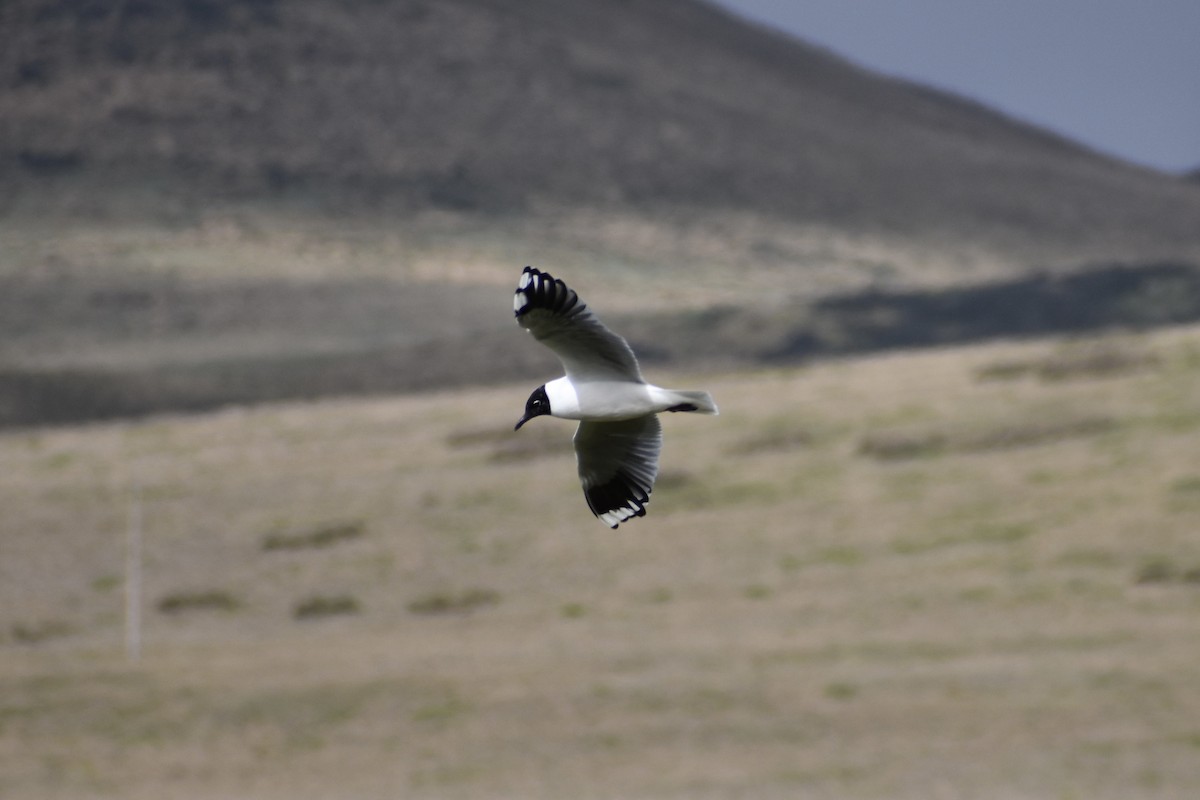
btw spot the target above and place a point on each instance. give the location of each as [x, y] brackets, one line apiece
[1120, 76]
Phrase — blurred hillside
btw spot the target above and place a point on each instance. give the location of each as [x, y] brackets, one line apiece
[520, 106]
[267, 163]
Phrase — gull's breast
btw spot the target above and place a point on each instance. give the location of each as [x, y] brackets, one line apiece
[614, 400]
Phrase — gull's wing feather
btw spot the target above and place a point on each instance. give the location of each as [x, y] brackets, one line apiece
[554, 314]
[618, 462]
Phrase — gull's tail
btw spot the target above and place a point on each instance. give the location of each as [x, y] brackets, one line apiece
[699, 402]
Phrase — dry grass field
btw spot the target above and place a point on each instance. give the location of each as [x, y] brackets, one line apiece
[964, 573]
[726, 257]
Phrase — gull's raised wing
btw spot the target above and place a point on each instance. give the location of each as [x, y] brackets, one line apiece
[554, 314]
[618, 462]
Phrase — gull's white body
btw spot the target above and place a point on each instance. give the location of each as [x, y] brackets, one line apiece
[609, 400]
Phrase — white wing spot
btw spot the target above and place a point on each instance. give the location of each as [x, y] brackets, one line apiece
[519, 301]
[525, 278]
[616, 516]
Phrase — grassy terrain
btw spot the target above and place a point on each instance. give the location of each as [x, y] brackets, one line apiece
[969, 572]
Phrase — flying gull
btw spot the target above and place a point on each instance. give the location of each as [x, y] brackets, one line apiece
[619, 435]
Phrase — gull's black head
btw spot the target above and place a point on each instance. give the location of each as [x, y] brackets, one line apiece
[537, 405]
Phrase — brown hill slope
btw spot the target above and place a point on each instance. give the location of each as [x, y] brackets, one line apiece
[500, 105]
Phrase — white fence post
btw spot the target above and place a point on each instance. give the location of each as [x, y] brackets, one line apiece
[133, 574]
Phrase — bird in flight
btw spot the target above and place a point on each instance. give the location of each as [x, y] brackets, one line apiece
[619, 436]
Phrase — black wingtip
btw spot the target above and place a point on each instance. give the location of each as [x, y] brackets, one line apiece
[537, 290]
[621, 494]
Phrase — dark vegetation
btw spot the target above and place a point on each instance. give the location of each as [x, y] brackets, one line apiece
[1096, 299]
[203, 600]
[1094, 361]
[322, 537]
[901, 444]
[1124, 296]
[1163, 570]
[319, 606]
[41, 631]
[454, 602]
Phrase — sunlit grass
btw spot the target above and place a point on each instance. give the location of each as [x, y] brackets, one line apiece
[1014, 595]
